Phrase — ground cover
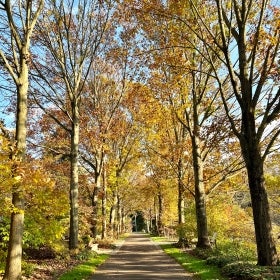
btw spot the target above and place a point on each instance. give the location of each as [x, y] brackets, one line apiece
[191, 263]
[216, 264]
[85, 269]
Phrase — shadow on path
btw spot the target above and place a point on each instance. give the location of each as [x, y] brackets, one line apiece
[139, 258]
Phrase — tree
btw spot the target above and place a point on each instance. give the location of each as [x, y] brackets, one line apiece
[104, 92]
[18, 20]
[184, 81]
[124, 145]
[165, 138]
[71, 36]
[246, 36]
[161, 186]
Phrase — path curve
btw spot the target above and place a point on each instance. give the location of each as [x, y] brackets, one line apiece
[140, 258]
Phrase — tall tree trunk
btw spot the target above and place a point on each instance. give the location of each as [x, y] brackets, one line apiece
[113, 213]
[74, 181]
[155, 225]
[124, 229]
[160, 214]
[104, 222]
[119, 215]
[13, 262]
[104, 206]
[200, 203]
[266, 248]
[95, 206]
[181, 202]
[114, 208]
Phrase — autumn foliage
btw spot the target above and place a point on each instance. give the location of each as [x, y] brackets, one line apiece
[161, 111]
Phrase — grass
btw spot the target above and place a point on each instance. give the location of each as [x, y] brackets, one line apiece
[198, 267]
[193, 264]
[85, 270]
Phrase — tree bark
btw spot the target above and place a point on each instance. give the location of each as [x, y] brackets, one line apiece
[181, 202]
[114, 209]
[95, 205]
[119, 216]
[104, 206]
[13, 263]
[160, 214]
[113, 213]
[74, 180]
[200, 203]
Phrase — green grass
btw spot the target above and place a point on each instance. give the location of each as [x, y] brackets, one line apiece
[198, 267]
[85, 270]
[193, 264]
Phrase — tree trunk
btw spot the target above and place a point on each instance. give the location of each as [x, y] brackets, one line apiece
[123, 228]
[104, 206]
[181, 208]
[200, 203]
[74, 181]
[115, 207]
[181, 202]
[119, 216]
[13, 262]
[95, 205]
[160, 214]
[266, 248]
[155, 225]
[113, 213]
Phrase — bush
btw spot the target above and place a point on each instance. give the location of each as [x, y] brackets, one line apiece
[85, 255]
[238, 250]
[28, 269]
[3, 255]
[41, 253]
[4, 232]
[243, 271]
[106, 244]
[220, 261]
[204, 253]
[185, 233]
[230, 252]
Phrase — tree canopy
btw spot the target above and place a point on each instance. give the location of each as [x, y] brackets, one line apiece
[163, 110]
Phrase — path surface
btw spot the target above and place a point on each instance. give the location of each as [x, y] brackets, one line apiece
[140, 258]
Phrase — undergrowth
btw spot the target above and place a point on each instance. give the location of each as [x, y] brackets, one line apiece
[84, 270]
[228, 261]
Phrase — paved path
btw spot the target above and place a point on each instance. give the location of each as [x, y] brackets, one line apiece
[140, 258]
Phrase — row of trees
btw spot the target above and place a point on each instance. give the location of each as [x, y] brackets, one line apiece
[101, 92]
[220, 53]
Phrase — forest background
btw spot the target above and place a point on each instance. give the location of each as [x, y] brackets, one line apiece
[165, 110]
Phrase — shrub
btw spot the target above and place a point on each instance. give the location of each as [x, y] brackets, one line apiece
[4, 232]
[41, 253]
[186, 235]
[238, 250]
[220, 261]
[204, 253]
[243, 271]
[28, 269]
[106, 243]
[3, 255]
[85, 255]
